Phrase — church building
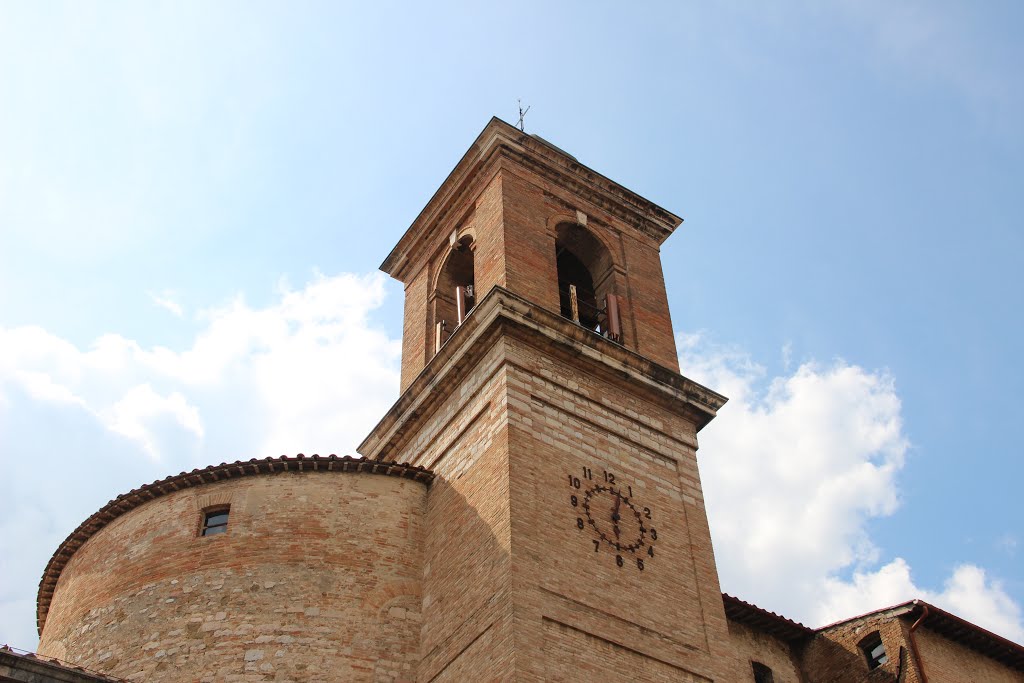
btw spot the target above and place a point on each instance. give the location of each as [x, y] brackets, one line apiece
[529, 509]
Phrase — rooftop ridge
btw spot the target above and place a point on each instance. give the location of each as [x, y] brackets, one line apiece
[951, 626]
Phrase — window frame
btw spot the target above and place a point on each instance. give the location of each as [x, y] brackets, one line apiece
[869, 646]
[204, 520]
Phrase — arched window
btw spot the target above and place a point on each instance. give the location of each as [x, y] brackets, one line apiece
[585, 280]
[454, 296]
[873, 649]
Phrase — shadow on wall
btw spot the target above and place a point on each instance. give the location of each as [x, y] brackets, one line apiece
[826, 661]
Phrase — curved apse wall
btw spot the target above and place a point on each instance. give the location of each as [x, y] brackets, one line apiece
[317, 576]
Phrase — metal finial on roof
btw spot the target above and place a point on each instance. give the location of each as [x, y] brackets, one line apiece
[522, 115]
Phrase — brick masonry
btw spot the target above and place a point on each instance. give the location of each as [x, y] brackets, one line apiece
[752, 645]
[510, 419]
[513, 209]
[563, 537]
[317, 578]
[834, 656]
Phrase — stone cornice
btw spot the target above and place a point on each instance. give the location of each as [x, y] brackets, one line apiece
[208, 475]
[502, 312]
[501, 140]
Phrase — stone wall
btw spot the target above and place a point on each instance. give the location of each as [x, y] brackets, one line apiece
[317, 578]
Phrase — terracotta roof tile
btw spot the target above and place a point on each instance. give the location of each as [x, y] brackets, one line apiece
[755, 617]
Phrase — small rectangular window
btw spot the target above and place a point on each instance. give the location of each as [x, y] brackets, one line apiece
[873, 650]
[215, 522]
[762, 674]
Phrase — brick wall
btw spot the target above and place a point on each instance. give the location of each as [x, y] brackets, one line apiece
[318, 578]
[834, 656]
[754, 646]
[946, 661]
[504, 417]
[513, 210]
[416, 333]
[663, 619]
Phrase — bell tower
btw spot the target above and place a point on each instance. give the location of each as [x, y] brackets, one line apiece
[566, 534]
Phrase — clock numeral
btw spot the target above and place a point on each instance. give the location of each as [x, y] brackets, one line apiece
[639, 564]
[579, 522]
[609, 477]
[587, 474]
[650, 550]
[575, 500]
[574, 481]
[597, 546]
[630, 490]
[647, 513]
[654, 535]
[618, 560]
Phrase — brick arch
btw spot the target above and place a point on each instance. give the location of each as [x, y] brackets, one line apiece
[456, 270]
[584, 261]
[583, 220]
[461, 235]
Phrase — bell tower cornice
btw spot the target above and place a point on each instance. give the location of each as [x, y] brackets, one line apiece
[501, 144]
[503, 313]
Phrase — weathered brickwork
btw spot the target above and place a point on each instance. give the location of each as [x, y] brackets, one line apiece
[317, 578]
[570, 421]
[509, 418]
[416, 334]
[751, 645]
[557, 533]
[466, 571]
[836, 657]
[946, 661]
[513, 208]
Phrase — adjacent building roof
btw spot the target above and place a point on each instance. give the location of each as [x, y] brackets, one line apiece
[28, 667]
[773, 624]
[935, 619]
[966, 633]
[950, 626]
[208, 475]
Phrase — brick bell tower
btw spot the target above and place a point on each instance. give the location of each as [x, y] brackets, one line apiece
[566, 534]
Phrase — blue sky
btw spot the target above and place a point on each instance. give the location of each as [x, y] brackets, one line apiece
[194, 199]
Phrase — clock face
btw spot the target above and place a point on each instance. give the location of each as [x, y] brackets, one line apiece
[612, 518]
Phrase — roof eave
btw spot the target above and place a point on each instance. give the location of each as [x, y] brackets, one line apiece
[498, 136]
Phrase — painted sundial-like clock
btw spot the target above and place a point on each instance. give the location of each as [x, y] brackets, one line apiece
[612, 518]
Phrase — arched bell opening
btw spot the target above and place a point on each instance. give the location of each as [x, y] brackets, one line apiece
[585, 281]
[454, 295]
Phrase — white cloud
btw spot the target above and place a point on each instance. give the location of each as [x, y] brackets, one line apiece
[138, 415]
[165, 300]
[793, 468]
[309, 365]
[307, 373]
[968, 593]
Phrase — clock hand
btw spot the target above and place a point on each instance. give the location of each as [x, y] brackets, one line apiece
[615, 515]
